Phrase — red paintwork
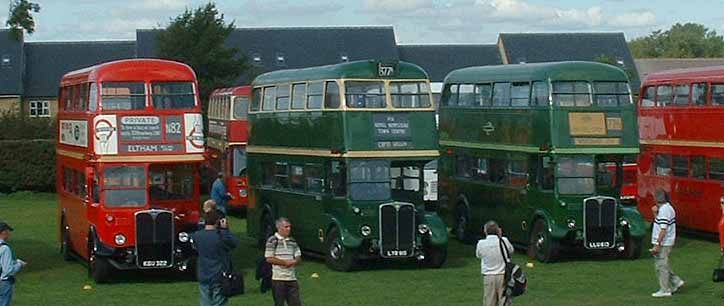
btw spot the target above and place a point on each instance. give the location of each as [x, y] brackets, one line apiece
[721, 232]
[630, 186]
[234, 133]
[83, 214]
[696, 200]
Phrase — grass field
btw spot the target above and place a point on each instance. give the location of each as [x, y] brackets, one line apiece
[48, 280]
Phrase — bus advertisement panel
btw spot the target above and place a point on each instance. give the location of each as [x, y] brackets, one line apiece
[540, 149]
[129, 149]
[340, 150]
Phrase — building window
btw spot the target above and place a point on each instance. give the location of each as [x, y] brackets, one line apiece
[5, 61]
[39, 109]
[280, 59]
[343, 57]
[256, 59]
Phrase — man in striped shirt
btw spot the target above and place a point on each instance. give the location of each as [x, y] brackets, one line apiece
[662, 238]
[283, 253]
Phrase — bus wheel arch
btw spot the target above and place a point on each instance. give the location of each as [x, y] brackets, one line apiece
[463, 220]
[541, 244]
[99, 267]
[336, 255]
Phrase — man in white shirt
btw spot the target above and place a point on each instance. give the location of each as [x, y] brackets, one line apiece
[662, 238]
[492, 265]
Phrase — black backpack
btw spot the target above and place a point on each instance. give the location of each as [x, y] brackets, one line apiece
[264, 270]
[515, 281]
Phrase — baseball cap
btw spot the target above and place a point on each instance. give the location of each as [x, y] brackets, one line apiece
[4, 226]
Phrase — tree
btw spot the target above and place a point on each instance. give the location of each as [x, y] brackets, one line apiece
[197, 38]
[21, 18]
[687, 40]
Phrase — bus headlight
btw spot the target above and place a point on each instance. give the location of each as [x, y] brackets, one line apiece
[356, 210]
[624, 223]
[242, 193]
[365, 230]
[571, 223]
[423, 229]
[183, 237]
[120, 239]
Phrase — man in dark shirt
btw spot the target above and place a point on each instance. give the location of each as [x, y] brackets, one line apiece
[213, 244]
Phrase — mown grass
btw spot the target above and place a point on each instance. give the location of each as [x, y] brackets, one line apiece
[48, 280]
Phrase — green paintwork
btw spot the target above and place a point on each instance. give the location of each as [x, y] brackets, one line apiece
[328, 134]
[365, 69]
[528, 134]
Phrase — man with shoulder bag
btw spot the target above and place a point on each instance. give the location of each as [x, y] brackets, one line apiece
[214, 245]
[493, 253]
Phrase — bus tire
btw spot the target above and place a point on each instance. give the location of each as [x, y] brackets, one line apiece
[99, 268]
[337, 256]
[435, 256]
[463, 226]
[542, 245]
[632, 247]
[268, 228]
[66, 248]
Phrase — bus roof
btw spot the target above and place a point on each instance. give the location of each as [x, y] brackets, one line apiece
[555, 71]
[232, 91]
[714, 72]
[364, 69]
[141, 69]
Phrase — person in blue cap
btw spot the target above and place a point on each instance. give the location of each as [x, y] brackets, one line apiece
[9, 266]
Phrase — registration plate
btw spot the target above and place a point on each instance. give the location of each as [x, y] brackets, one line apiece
[154, 263]
[396, 253]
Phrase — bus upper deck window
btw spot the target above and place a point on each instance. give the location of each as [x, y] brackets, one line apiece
[698, 94]
[540, 93]
[410, 94]
[255, 100]
[611, 93]
[571, 93]
[331, 95]
[173, 95]
[241, 104]
[717, 94]
[365, 94]
[649, 95]
[663, 95]
[123, 95]
[314, 95]
[520, 94]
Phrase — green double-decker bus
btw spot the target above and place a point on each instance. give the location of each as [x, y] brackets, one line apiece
[340, 151]
[539, 148]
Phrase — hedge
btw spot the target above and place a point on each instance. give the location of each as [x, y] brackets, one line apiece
[17, 126]
[27, 165]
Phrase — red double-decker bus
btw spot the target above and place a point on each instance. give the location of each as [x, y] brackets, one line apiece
[129, 149]
[681, 119]
[226, 141]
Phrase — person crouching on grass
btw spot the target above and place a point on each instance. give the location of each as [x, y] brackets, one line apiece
[492, 265]
[662, 237]
[283, 253]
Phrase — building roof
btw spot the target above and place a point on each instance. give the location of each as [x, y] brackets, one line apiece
[276, 48]
[553, 47]
[566, 71]
[12, 64]
[647, 66]
[439, 60]
[47, 62]
[365, 69]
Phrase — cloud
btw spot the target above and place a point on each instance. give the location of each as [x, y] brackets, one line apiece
[633, 20]
[164, 5]
[387, 6]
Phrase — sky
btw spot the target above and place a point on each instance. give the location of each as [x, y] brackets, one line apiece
[414, 21]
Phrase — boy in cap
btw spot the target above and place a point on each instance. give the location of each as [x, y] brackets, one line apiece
[9, 266]
[662, 238]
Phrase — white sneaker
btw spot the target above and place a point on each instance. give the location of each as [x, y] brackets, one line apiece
[661, 294]
[678, 286]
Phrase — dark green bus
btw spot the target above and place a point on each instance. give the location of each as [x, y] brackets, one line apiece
[340, 151]
[539, 148]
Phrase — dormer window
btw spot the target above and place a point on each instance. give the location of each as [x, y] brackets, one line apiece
[256, 58]
[620, 62]
[280, 58]
[5, 60]
[343, 57]
[521, 60]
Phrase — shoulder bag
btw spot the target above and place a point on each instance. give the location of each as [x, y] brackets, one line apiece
[515, 281]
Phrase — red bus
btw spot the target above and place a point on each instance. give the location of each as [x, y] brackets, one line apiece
[629, 188]
[226, 141]
[681, 119]
[129, 149]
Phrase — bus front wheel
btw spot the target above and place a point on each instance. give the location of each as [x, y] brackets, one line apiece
[542, 245]
[435, 256]
[99, 268]
[338, 257]
[632, 247]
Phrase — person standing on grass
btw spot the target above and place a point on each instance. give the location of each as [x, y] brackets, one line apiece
[219, 193]
[283, 253]
[662, 238]
[492, 265]
[9, 266]
[213, 244]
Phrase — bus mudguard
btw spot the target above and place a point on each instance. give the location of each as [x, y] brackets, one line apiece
[437, 227]
[349, 239]
[101, 248]
[636, 225]
[556, 230]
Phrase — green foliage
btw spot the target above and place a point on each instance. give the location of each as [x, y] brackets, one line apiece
[197, 38]
[18, 126]
[689, 40]
[48, 280]
[21, 18]
[27, 165]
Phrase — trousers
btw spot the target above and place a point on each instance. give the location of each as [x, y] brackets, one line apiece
[666, 275]
[494, 291]
[286, 291]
